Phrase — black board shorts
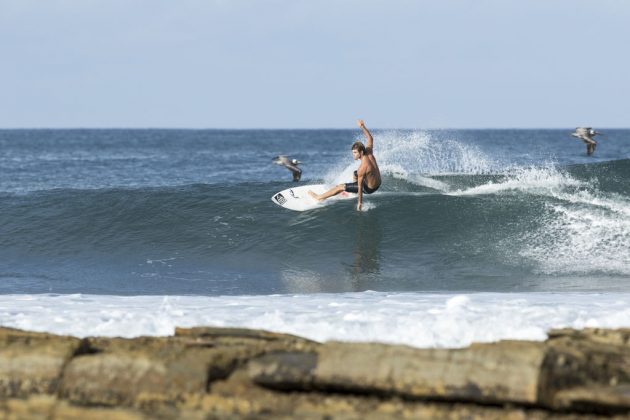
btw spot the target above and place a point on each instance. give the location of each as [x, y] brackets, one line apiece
[353, 187]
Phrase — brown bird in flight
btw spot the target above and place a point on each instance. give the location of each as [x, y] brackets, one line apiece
[290, 164]
[586, 135]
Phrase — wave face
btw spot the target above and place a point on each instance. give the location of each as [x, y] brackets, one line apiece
[90, 212]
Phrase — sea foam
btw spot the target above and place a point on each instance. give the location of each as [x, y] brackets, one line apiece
[416, 319]
[583, 229]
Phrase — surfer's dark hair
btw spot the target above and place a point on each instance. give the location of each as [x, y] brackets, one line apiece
[357, 145]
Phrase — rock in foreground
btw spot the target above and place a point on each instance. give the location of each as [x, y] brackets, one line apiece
[204, 372]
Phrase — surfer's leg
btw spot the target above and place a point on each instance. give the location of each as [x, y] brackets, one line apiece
[334, 191]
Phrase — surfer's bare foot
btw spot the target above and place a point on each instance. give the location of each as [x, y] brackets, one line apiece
[315, 196]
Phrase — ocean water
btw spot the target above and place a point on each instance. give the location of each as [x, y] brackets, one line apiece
[518, 228]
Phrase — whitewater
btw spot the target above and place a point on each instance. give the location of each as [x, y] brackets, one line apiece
[415, 319]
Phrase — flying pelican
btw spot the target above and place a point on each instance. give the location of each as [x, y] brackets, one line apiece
[586, 135]
[290, 164]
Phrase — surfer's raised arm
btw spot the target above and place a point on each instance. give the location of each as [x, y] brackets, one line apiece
[368, 136]
[367, 178]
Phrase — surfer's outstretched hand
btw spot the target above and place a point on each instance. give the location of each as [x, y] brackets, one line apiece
[361, 123]
[359, 206]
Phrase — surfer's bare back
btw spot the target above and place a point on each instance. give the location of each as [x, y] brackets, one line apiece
[368, 176]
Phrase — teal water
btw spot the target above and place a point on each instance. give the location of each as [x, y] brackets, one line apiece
[189, 212]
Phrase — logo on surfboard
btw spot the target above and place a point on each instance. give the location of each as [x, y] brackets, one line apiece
[280, 199]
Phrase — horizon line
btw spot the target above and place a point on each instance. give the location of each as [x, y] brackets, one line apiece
[302, 128]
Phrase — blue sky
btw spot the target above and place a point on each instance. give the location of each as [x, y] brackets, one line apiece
[314, 64]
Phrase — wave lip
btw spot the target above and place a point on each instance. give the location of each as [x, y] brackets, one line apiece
[548, 181]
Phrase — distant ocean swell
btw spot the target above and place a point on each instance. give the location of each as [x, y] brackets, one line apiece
[525, 223]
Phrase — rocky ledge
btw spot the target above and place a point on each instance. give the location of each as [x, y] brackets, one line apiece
[206, 373]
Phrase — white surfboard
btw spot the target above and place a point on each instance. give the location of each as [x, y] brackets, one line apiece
[298, 198]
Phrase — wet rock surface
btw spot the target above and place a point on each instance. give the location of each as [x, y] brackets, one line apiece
[207, 373]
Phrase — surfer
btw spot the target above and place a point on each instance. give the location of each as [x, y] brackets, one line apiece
[367, 178]
[586, 135]
[290, 164]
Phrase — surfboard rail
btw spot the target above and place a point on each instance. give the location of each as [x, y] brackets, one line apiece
[298, 198]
